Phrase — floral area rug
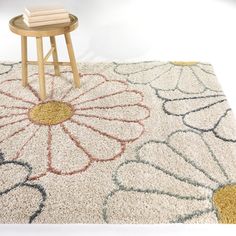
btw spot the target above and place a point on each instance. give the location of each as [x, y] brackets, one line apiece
[148, 142]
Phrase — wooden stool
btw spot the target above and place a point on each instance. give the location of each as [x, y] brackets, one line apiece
[18, 26]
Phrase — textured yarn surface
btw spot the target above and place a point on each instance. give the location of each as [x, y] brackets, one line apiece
[147, 142]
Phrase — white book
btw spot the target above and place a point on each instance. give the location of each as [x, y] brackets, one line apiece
[44, 10]
[57, 16]
[50, 22]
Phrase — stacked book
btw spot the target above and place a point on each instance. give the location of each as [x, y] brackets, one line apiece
[40, 16]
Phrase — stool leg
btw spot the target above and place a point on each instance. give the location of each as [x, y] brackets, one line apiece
[55, 55]
[24, 60]
[72, 60]
[42, 89]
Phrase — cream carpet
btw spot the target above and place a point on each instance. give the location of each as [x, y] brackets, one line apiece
[148, 142]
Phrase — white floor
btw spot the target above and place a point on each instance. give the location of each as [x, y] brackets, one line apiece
[133, 30]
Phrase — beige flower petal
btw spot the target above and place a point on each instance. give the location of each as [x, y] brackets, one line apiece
[143, 176]
[185, 105]
[206, 119]
[13, 89]
[12, 127]
[19, 205]
[11, 175]
[176, 94]
[88, 83]
[120, 99]
[168, 80]
[142, 208]
[12, 119]
[225, 153]
[205, 67]
[189, 83]
[161, 155]
[191, 146]
[205, 218]
[107, 88]
[18, 141]
[124, 131]
[9, 101]
[143, 73]
[35, 152]
[66, 155]
[134, 68]
[207, 77]
[226, 128]
[97, 145]
[122, 113]
[11, 111]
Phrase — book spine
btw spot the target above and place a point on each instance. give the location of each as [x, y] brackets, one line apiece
[45, 17]
[44, 12]
[42, 23]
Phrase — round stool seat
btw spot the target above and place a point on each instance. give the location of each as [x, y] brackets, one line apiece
[18, 26]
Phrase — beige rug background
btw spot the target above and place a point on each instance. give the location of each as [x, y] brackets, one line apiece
[152, 143]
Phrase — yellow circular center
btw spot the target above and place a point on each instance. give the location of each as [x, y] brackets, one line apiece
[184, 63]
[50, 113]
[225, 202]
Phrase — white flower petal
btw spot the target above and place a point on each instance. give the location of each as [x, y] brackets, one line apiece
[120, 99]
[139, 208]
[11, 128]
[142, 74]
[189, 83]
[12, 174]
[225, 153]
[106, 89]
[134, 68]
[12, 111]
[19, 205]
[66, 156]
[13, 146]
[121, 130]
[206, 67]
[185, 105]
[35, 151]
[88, 83]
[226, 128]
[98, 145]
[207, 78]
[204, 218]
[176, 94]
[168, 80]
[10, 101]
[207, 118]
[143, 176]
[191, 146]
[122, 113]
[161, 155]
[13, 89]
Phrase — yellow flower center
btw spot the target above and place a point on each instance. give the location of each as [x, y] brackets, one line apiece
[184, 63]
[50, 113]
[225, 202]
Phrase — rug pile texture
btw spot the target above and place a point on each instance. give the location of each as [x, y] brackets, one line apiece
[147, 142]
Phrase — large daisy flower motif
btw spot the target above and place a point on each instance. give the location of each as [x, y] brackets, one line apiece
[20, 200]
[180, 180]
[209, 113]
[73, 128]
[185, 77]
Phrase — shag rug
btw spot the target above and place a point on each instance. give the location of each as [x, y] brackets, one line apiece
[148, 142]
